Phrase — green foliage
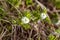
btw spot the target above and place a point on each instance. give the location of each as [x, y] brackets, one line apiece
[44, 10]
[27, 14]
[58, 31]
[54, 18]
[9, 28]
[18, 21]
[51, 37]
[35, 15]
[32, 15]
[47, 20]
[16, 3]
[28, 2]
[2, 12]
[14, 21]
[31, 12]
[56, 3]
[26, 26]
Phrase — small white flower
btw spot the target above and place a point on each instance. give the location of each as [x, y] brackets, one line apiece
[43, 15]
[25, 20]
[58, 23]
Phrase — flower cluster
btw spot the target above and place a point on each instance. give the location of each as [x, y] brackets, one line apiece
[26, 20]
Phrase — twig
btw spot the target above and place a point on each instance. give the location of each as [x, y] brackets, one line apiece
[30, 34]
[16, 9]
[4, 20]
[42, 6]
[4, 5]
[2, 35]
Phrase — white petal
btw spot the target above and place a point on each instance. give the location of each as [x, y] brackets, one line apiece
[43, 15]
[25, 20]
[58, 23]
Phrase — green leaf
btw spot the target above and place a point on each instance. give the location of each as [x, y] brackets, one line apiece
[26, 26]
[47, 20]
[16, 3]
[51, 37]
[35, 15]
[54, 18]
[57, 4]
[2, 13]
[28, 2]
[9, 28]
[27, 14]
[58, 30]
[14, 21]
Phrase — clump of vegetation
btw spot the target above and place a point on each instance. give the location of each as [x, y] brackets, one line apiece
[29, 20]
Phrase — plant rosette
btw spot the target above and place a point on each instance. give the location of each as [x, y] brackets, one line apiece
[45, 18]
[25, 23]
